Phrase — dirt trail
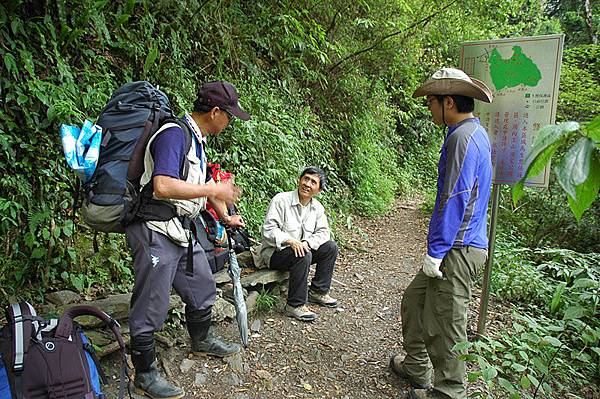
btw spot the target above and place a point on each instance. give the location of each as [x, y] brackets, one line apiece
[344, 353]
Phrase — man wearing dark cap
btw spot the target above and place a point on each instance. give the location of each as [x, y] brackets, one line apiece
[434, 306]
[160, 248]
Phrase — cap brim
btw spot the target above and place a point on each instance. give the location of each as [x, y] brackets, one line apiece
[239, 113]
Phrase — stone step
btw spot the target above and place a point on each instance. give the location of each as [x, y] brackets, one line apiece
[252, 277]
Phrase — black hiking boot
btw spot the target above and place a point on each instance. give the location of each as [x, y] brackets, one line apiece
[203, 342]
[214, 347]
[153, 385]
[148, 380]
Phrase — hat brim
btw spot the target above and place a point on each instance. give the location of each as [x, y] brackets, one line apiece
[448, 86]
[239, 113]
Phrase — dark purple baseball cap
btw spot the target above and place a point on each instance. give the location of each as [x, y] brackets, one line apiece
[223, 95]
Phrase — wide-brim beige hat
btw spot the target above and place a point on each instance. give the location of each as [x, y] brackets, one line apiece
[448, 81]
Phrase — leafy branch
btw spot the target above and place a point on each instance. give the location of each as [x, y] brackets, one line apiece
[423, 21]
[578, 172]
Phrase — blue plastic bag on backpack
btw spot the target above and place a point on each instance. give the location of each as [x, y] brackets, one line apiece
[81, 147]
[4, 384]
[94, 375]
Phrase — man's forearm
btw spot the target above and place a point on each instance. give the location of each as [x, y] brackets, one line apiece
[319, 238]
[220, 208]
[276, 237]
[171, 188]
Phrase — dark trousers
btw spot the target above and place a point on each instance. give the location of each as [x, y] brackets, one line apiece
[160, 264]
[324, 257]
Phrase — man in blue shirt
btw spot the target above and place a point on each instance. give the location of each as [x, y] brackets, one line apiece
[434, 306]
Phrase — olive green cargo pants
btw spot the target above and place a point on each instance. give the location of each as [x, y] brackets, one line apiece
[434, 319]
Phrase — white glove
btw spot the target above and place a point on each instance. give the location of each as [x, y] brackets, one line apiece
[431, 267]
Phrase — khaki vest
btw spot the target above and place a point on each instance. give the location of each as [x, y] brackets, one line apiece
[191, 208]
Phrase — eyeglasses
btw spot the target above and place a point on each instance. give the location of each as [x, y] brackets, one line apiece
[428, 101]
[229, 114]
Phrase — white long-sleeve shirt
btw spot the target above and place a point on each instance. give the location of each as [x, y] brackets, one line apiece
[286, 218]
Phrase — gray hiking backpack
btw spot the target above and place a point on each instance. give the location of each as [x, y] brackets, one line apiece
[134, 113]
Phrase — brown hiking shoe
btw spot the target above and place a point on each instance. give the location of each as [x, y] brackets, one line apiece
[396, 367]
[322, 299]
[302, 313]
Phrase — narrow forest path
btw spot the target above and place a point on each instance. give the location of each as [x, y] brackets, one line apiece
[344, 353]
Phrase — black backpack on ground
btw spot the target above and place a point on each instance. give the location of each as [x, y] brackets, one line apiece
[42, 358]
[132, 116]
[240, 239]
[217, 254]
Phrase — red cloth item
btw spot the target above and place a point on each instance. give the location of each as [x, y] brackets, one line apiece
[218, 176]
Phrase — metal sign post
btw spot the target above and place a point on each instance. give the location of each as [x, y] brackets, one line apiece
[487, 273]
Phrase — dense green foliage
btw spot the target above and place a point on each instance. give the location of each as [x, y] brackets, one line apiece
[579, 99]
[550, 340]
[328, 84]
[571, 16]
[543, 219]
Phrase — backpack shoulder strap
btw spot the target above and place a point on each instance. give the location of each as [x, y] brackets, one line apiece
[24, 324]
[65, 329]
[185, 167]
[187, 134]
[21, 316]
[148, 188]
[167, 125]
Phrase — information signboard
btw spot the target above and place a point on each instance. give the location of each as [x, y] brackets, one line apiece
[523, 74]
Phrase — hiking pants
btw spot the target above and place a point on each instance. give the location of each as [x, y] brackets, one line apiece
[160, 264]
[325, 257]
[434, 319]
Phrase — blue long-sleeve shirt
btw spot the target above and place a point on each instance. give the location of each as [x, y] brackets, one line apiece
[463, 190]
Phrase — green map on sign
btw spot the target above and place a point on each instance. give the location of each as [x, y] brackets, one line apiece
[516, 70]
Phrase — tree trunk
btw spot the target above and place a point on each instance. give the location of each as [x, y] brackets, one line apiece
[589, 21]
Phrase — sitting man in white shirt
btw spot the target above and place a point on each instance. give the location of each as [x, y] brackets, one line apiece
[295, 235]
